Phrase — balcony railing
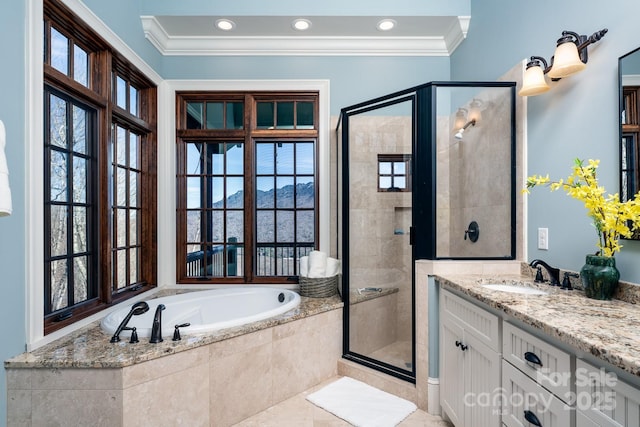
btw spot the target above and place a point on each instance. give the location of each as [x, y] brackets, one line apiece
[270, 261]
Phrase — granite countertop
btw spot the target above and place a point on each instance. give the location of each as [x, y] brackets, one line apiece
[89, 347]
[608, 330]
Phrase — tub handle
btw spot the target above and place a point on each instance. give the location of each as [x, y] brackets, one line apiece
[176, 331]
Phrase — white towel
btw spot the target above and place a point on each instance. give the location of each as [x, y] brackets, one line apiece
[333, 267]
[317, 264]
[5, 191]
[304, 266]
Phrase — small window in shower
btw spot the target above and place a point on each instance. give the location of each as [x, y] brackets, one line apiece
[394, 172]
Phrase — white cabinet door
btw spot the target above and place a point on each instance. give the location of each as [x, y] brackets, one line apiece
[583, 421]
[605, 399]
[451, 371]
[469, 365]
[481, 397]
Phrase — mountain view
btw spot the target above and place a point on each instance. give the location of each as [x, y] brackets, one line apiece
[284, 199]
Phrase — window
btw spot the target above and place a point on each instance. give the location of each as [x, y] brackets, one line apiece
[247, 190]
[99, 150]
[394, 172]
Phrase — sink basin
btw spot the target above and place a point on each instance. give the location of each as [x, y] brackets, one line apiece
[513, 289]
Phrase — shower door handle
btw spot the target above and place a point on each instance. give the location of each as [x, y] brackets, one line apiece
[411, 234]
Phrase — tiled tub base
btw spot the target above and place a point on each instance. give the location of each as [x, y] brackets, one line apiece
[218, 384]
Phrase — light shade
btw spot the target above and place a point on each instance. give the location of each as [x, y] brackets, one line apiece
[461, 118]
[533, 82]
[566, 61]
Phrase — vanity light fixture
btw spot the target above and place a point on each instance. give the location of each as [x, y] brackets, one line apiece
[225, 24]
[386, 25]
[301, 24]
[569, 58]
[533, 82]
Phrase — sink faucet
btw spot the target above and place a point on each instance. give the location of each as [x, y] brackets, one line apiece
[156, 329]
[554, 273]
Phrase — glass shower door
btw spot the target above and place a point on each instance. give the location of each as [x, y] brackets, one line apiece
[377, 184]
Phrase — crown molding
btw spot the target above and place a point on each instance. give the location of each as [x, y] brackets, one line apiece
[303, 46]
[631, 80]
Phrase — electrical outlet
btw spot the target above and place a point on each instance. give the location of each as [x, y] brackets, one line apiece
[543, 238]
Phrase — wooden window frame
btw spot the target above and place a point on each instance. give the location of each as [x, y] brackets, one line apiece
[104, 62]
[249, 135]
[395, 158]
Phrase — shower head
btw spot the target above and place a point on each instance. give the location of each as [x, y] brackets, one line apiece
[139, 308]
[458, 134]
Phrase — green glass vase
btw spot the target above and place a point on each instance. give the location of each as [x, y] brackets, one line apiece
[600, 277]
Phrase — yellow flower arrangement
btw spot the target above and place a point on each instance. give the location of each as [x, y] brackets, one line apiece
[612, 218]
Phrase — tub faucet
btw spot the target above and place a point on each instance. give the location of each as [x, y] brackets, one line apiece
[136, 309]
[156, 329]
[554, 273]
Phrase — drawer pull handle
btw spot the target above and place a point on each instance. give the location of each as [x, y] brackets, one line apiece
[531, 417]
[532, 358]
[462, 346]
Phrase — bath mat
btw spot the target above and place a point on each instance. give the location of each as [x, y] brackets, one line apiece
[360, 404]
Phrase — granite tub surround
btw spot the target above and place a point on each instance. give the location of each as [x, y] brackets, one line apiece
[89, 347]
[217, 379]
[608, 330]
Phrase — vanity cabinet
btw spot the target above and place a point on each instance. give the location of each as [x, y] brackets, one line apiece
[526, 403]
[495, 373]
[544, 363]
[536, 378]
[603, 399]
[469, 363]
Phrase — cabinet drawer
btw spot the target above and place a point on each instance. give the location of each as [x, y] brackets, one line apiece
[554, 371]
[522, 395]
[482, 324]
[604, 398]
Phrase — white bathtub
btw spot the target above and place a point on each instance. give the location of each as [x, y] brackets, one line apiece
[206, 311]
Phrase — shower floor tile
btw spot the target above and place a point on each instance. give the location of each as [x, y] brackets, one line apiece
[299, 412]
[396, 354]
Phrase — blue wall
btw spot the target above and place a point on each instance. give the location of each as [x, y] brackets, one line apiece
[577, 118]
[12, 228]
[352, 79]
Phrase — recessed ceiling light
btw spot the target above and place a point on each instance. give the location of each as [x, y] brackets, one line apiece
[386, 25]
[225, 24]
[301, 24]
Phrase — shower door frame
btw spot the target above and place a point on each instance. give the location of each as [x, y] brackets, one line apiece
[423, 205]
[377, 103]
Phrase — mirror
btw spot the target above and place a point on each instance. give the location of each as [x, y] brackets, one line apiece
[629, 80]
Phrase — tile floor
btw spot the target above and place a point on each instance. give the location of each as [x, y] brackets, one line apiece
[299, 412]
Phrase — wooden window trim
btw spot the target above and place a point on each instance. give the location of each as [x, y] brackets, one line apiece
[103, 62]
[249, 134]
[395, 158]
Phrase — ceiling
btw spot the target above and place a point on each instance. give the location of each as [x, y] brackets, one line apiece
[328, 35]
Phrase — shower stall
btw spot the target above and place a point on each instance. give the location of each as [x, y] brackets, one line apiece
[425, 173]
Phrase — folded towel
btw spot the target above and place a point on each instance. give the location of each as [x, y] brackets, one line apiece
[333, 267]
[317, 264]
[5, 191]
[304, 266]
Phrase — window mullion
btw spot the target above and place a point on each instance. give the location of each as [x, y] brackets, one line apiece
[249, 259]
[70, 205]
